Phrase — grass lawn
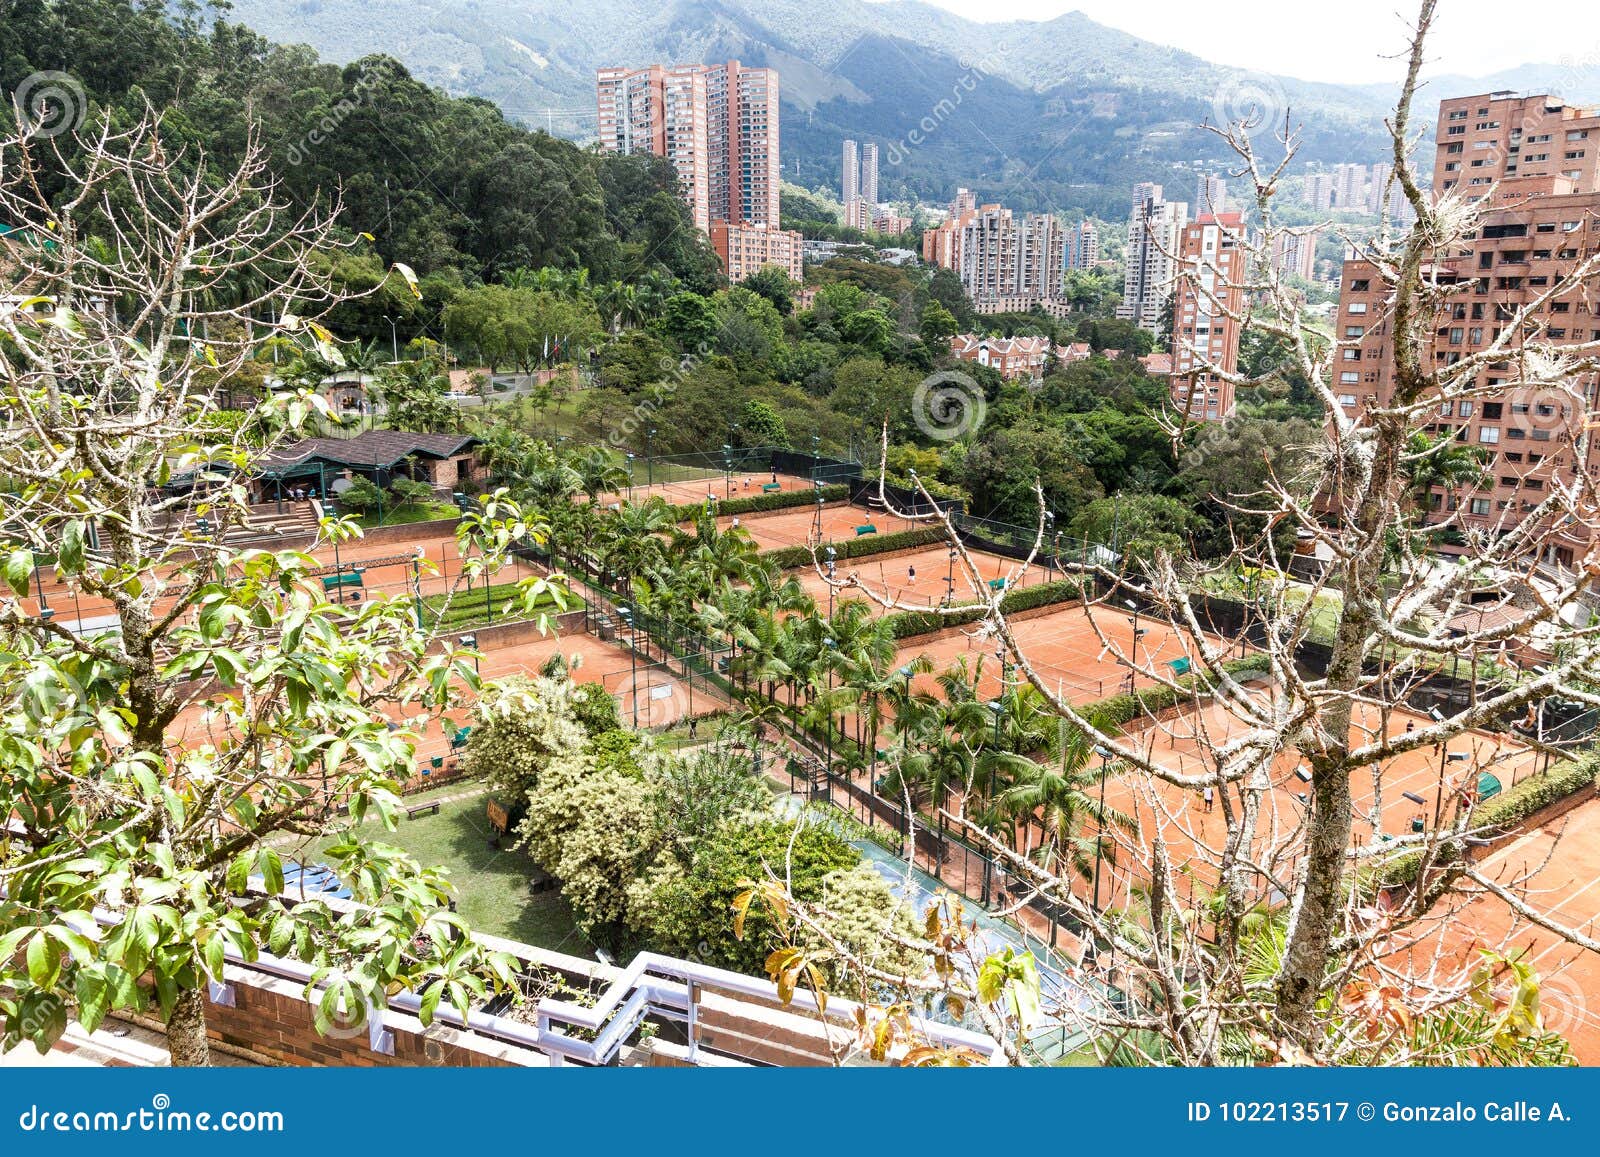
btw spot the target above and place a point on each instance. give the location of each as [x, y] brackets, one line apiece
[491, 883]
[411, 512]
[504, 600]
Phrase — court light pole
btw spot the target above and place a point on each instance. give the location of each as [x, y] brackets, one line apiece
[828, 643]
[633, 661]
[727, 469]
[1133, 654]
[831, 554]
[950, 580]
[471, 643]
[650, 456]
[1099, 836]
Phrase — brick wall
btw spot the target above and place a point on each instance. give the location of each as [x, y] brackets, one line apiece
[272, 1019]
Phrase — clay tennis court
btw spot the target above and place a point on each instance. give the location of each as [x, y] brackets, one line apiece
[660, 698]
[1560, 861]
[798, 526]
[741, 484]
[917, 578]
[1061, 646]
[386, 565]
[1380, 799]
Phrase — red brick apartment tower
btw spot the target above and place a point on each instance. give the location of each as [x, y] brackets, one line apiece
[1501, 135]
[742, 132]
[1211, 260]
[1538, 230]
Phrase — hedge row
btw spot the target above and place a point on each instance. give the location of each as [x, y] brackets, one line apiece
[1116, 710]
[1505, 811]
[790, 557]
[758, 503]
[907, 624]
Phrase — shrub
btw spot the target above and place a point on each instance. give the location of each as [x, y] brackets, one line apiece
[1505, 811]
[1120, 709]
[790, 557]
[518, 728]
[689, 911]
[759, 503]
[907, 624]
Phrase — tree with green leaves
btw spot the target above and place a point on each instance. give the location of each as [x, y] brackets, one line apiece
[159, 773]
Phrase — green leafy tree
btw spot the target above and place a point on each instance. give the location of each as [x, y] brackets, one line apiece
[760, 425]
[772, 283]
[689, 320]
[415, 396]
[153, 771]
[1139, 524]
[938, 325]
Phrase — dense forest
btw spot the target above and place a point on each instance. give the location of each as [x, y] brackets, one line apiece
[449, 186]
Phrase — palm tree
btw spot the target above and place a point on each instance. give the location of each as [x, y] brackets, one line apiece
[599, 473]
[1442, 462]
[618, 303]
[1065, 795]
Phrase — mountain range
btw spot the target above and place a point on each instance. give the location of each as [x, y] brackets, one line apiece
[1064, 114]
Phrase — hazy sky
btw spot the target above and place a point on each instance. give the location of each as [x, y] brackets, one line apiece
[1315, 40]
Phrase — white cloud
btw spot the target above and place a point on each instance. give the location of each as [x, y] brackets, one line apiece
[1353, 41]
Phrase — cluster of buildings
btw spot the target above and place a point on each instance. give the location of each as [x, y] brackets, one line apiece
[858, 190]
[1083, 246]
[1016, 358]
[1535, 157]
[1008, 263]
[718, 125]
[1357, 188]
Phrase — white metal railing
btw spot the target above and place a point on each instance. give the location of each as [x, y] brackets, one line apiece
[651, 985]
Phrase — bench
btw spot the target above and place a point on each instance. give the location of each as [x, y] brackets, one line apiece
[769, 487]
[865, 529]
[336, 585]
[459, 739]
[1179, 666]
[998, 584]
[418, 809]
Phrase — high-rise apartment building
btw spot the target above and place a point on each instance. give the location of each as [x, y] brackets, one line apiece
[1350, 186]
[742, 138]
[1484, 139]
[1378, 187]
[941, 244]
[1530, 239]
[1006, 263]
[1208, 303]
[1010, 260]
[747, 249]
[1154, 231]
[849, 172]
[1211, 194]
[869, 173]
[717, 123]
[660, 110]
[1083, 247]
[1319, 191]
[1294, 253]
